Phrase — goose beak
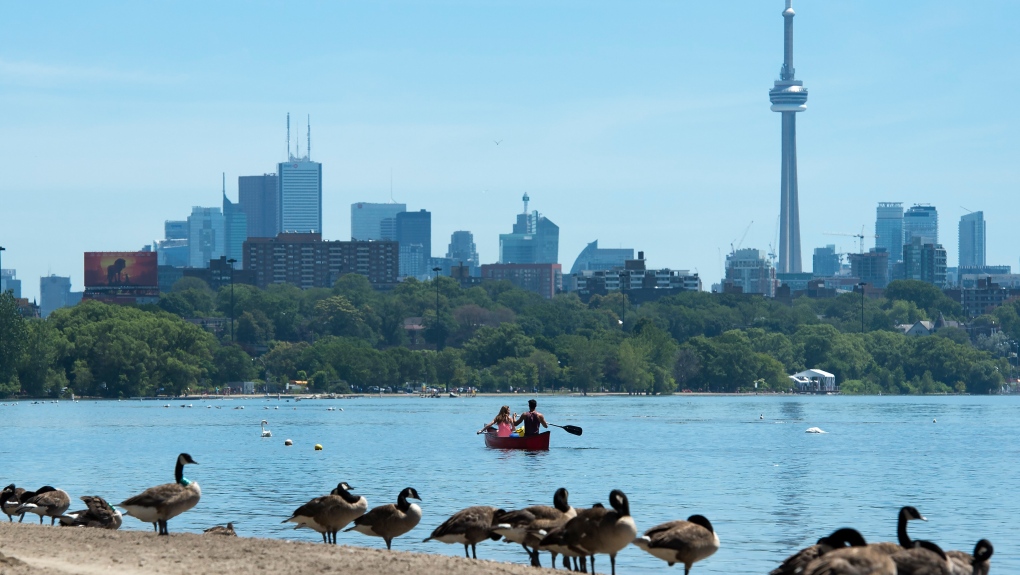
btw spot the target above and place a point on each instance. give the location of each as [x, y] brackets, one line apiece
[923, 518]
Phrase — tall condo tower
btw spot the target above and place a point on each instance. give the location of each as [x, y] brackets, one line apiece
[788, 97]
[299, 190]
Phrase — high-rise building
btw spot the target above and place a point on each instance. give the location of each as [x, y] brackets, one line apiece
[299, 189]
[825, 262]
[258, 198]
[535, 240]
[972, 240]
[789, 96]
[206, 236]
[414, 234]
[175, 229]
[462, 251]
[235, 231]
[921, 221]
[9, 282]
[889, 229]
[373, 222]
[545, 279]
[593, 258]
[748, 271]
[173, 250]
[305, 260]
[871, 268]
[924, 262]
[54, 293]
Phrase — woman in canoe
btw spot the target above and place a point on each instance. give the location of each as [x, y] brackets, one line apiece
[503, 422]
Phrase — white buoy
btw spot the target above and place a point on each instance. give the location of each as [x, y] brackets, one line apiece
[934, 420]
[814, 430]
[288, 442]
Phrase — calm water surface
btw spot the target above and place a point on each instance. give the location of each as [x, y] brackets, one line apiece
[767, 486]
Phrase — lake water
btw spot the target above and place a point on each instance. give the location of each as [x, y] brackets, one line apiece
[768, 487]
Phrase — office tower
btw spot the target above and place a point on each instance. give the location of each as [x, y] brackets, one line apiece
[889, 230]
[921, 221]
[593, 258]
[825, 262]
[206, 236]
[462, 251]
[9, 282]
[535, 240]
[258, 198]
[414, 234]
[54, 293]
[299, 185]
[175, 229]
[789, 96]
[871, 268]
[972, 240]
[373, 222]
[924, 262]
[235, 231]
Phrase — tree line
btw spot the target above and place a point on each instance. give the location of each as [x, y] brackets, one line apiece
[494, 337]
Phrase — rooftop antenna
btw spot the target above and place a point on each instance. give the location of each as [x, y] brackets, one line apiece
[392, 201]
[224, 184]
[288, 135]
[526, 199]
[297, 147]
[308, 132]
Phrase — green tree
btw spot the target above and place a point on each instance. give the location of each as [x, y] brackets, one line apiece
[12, 343]
[493, 344]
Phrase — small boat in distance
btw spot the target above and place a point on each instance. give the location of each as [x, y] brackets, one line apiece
[452, 394]
[538, 442]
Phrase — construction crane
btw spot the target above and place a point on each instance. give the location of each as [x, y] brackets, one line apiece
[772, 246]
[741, 242]
[860, 237]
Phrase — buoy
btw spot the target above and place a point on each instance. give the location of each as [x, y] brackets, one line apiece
[318, 447]
[934, 421]
[288, 442]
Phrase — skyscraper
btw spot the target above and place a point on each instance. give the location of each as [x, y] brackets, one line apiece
[789, 96]
[414, 234]
[889, 230]
[462, 251]
[592, 257]
[373, 222]
[235, 230]
[54, 293]
[206, 236]
[921, 221]
[535, 240]
[972, 240]
[9, 282]
[299, 189]
[258, 198]
[825, 262]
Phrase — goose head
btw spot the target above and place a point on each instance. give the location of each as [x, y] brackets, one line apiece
[185, 459]
[910, 513]
[618, 501]
[342, 487]
[702, 521]
[409, 493]
[983, 550]
[560, 501]
[843, 537]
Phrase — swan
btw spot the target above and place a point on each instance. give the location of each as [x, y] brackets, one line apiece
[814, 430]
[266, 432]
[159, 504]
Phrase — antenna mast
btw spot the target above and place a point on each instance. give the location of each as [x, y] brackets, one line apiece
[288, 135]
[224, 184]
[308, 132]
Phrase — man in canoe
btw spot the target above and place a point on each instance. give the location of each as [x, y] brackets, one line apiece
[531, 419]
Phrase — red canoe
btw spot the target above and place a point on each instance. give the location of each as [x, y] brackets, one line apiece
[538, 442]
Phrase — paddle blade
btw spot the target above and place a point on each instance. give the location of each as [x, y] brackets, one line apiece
[571, 429]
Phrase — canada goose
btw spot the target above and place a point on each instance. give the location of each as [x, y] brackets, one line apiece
[389, 521]
[265, 432]
[794, 564]
[331, 513]
[47, 502]
[907, 513]
[99, 513]
[858, 559]
[10, 499]
[924, 558]
[976, 564]
[159, 504]
[558, 540]
[616, 530]
[468, 527]
[684, 542]
[227, 530]
[523, 526]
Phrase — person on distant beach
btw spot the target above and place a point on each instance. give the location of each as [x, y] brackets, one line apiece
[531, 419]
[503, 422]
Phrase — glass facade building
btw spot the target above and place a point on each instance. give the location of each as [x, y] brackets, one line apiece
[374, 222]
[972, 240]
[889, 229]
[921, 221]
[257, 197]
[299, 189]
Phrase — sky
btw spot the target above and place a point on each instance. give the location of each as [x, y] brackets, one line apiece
[643, 124]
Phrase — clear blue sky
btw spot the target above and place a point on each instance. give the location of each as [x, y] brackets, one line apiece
[640, 124]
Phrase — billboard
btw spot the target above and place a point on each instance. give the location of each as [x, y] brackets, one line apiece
[120, 271]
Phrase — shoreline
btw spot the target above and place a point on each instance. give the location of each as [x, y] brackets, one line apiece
[31, 549]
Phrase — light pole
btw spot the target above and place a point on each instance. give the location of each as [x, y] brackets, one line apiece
[231, 261]
[439, 343]
[2, 249]
[861, 285]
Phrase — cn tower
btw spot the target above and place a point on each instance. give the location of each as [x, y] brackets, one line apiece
[788, 97]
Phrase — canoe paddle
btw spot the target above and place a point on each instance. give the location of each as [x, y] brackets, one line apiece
[571, 429]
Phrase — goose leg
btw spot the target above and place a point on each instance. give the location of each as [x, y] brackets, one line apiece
[388, 541]
[324, 537]
[466, 554]
[474, 550]
[612, 561]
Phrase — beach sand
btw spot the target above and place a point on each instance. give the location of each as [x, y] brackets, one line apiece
[27, 549]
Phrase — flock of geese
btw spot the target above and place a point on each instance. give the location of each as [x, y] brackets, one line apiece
[576, 535]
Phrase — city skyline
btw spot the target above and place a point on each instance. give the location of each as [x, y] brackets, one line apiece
[605, 121]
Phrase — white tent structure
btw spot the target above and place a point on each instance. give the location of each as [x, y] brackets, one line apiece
[814, 381]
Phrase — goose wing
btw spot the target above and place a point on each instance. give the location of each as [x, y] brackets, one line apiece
[378, 516]
[155, 497]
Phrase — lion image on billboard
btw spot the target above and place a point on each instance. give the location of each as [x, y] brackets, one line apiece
[120, 269]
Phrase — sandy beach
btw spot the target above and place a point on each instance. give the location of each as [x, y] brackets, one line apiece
[27, 549]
